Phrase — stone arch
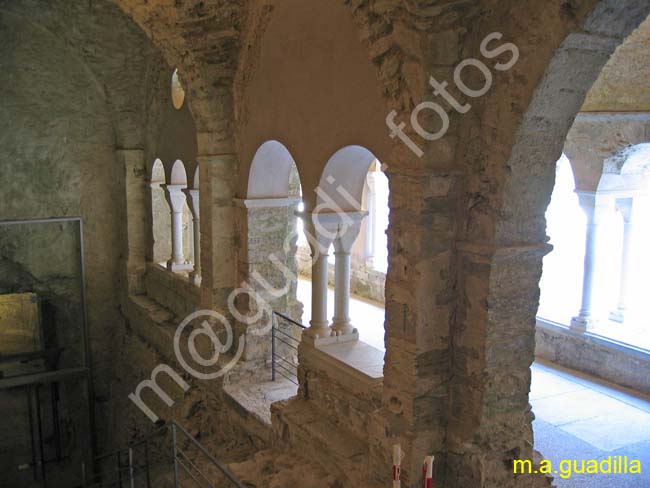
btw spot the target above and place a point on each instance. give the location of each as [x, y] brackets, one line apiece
[177, 173]
[501, 259]
[627, 170]
[174, 30]
[270, 171]
[343, 179]
[157, 172]
[160, 231]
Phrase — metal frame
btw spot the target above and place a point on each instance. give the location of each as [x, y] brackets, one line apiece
[179, 463]
[283, 370]
[86, 359]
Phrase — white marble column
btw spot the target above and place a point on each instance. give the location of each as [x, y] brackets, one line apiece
[626, 207]
[342, 247]
[176, 199]
[321, 230]
[193, 203]
[595, 206]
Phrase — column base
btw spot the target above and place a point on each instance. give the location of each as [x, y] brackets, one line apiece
[582, 324]
[617, 315]
[342, 328]
[179, 268]
[332, 339]
[195, 279]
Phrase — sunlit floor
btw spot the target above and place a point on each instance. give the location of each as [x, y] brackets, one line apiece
[365, 315]
[577, 417]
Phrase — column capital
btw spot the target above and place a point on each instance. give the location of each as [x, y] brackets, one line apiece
[193, 196]
[175, 196]
[595, 204]
[625, 205]
[323, 228]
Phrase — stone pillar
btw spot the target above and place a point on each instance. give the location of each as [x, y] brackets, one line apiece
[594, 206]
[193, 202]
[217, 183]
[136, 208]
[626, 207]
[176, 200]
[342, 247]
[268, 264]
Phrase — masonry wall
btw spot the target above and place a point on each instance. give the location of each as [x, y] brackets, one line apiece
[58, 160]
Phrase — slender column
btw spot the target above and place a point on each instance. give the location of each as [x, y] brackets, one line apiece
[626, 207]
[321, 230]
[341, 319]
[319, 323]
[342, 247]
[176, 199]
[594, 206]
[193, 203]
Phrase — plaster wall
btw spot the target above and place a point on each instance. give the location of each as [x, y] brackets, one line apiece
[312, 87]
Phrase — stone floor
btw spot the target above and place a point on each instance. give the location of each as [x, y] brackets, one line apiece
[367, 316]
[579, 417]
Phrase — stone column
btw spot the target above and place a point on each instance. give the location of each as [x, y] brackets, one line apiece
[136, 208]
[342, 246]
[176, 200]
[594, 206]
[193, 203]
[626, 207]
[321, 230]
[217, 183]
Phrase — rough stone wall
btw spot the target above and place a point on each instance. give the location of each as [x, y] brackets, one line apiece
[78, 79]
[58, 142]
[622, 86]
[465, 241]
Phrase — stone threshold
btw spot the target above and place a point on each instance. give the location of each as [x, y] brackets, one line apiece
[355, 361]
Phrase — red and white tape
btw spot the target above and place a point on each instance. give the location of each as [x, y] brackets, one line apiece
[427, 472]
[397, 468]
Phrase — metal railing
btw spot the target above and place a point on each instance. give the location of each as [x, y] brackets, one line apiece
[285, 363]
[121, 468]
[131, 467]
[181, 460]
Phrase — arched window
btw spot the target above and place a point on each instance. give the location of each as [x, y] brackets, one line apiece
[160, 222]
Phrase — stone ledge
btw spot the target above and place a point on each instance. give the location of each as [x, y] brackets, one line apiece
[590, 353]
[356, 364]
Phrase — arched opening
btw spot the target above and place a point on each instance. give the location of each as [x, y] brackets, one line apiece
[350, 221]
[181, 230]
[269, 234]
[588, 343]
[177, 91]
[160, 222]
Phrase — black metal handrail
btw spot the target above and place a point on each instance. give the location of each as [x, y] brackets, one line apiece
[127, 472]
[279, 364]
[180, 460]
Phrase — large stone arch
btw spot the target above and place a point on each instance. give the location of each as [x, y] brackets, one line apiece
[202, 41]
[515, 138]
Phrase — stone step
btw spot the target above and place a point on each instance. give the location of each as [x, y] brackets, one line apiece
[251, 402]
[323, 437]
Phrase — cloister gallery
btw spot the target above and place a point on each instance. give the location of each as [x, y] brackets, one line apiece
[344, 243]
